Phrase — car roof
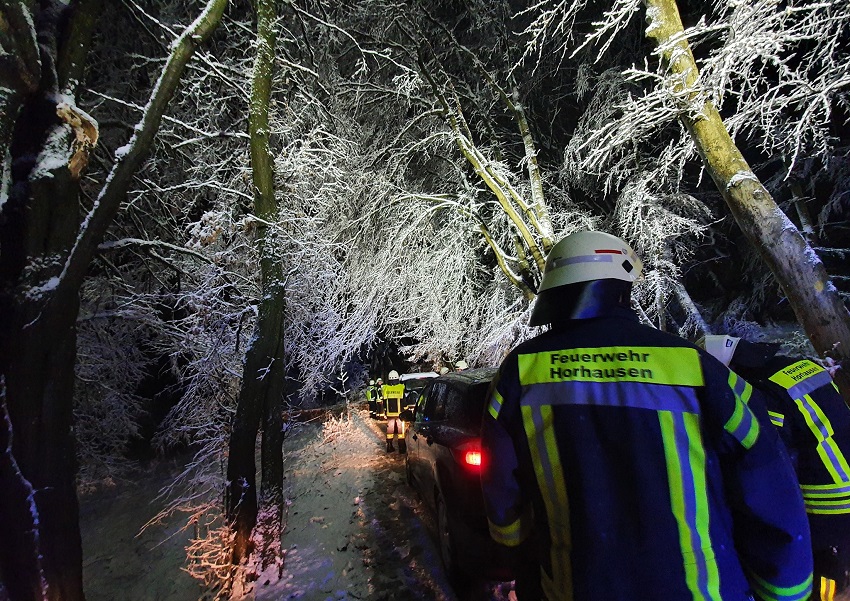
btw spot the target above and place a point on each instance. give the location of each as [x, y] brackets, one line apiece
[469, 377]
[417, 375]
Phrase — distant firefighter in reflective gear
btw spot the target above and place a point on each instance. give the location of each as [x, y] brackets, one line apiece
[372, 399]
[393, 393]
[814, 423]
[628, 459]
[379, 399]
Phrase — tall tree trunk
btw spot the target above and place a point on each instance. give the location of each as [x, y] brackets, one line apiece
[794, 263]
[46, 252]
[263, 376]
[21, 574]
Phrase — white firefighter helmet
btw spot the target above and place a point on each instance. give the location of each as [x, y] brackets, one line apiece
[444, 371]
[721, 347]
[393, 375]
[371, 382]
[585, 256]
[596, 259]
[461, 365]
[380, 381]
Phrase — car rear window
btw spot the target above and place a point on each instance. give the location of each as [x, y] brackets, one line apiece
[465, 410]
[416, 383]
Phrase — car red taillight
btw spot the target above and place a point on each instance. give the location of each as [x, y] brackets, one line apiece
[469, 455]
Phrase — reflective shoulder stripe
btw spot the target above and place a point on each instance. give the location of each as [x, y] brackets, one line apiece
[771, 592]
[801, 378]
[777, 419]
[495, 405]
[511, 535]
[677, 366]
[743, 425]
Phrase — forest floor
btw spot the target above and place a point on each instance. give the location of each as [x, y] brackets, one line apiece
[353, 529]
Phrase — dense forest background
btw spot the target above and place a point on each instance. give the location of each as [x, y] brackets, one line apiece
[344, 188]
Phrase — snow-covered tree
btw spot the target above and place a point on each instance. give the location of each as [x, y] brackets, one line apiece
[47, 249]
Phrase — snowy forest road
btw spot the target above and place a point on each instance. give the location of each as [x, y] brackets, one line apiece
[354, 529]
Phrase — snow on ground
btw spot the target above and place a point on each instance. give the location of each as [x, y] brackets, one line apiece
[354, 530]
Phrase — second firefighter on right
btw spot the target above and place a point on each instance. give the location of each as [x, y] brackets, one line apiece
[814, 423]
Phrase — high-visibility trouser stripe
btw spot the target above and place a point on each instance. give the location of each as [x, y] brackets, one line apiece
[394, 427]
[510, 535]
[827, 589]
[831, 456]
[777, 419]
[771, 592]
[743, 425]
[537, 422]
[685, 457]
[495, 405]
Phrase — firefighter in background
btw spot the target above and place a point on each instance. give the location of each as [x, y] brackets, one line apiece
[461, 365]
[379, 399]
[628, 457]
[814, 423]
[372, 399]
[393, 393]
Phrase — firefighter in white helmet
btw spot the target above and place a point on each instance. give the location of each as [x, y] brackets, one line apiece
[461, 365]
[628, 458]
[393, 393]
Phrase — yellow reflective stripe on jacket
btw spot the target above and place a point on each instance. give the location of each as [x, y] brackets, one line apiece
[511, 535]
[777, 419]
[537, 422]
[393, 392]
[827, 589]
[743, 425]
[685, 458]
[800, 380]
[770, 592]
[826, 499]
[677, 366]
[392, 398]
[831, 456]
[495, 405]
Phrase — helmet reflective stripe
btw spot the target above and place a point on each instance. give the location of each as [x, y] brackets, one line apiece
[587, 256]
[602, 257]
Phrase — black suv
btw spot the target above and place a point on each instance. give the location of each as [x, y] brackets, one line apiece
[444, 464]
